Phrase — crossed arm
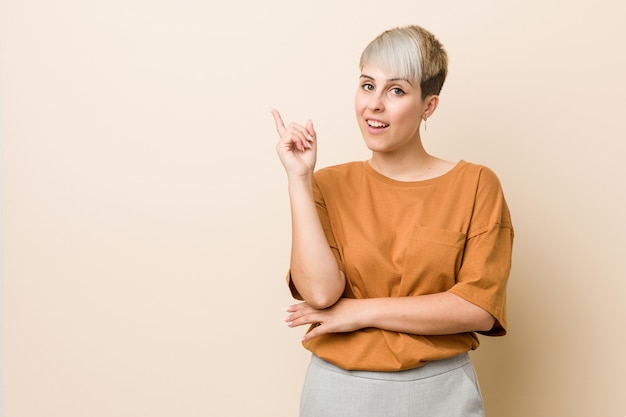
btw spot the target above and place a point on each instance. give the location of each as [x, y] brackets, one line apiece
[433, 314]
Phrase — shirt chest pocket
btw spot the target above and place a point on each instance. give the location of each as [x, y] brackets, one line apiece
[432, 261]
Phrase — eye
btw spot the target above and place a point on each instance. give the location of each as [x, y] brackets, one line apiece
[397, 91]
[367, 87]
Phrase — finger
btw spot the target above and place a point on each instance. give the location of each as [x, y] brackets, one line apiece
[278, 120]
[300, 135]
[296, 319]
[292, 135]
[314, 332]
[295, 307]
[293, 321]
[311, 135]
[304, 317]
[300, 309]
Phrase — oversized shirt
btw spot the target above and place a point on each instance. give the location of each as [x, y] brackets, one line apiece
[401, 239]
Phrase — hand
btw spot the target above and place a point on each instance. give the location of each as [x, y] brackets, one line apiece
[342, 317]
[297, 148]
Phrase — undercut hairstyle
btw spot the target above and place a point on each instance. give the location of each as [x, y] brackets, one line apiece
[410, 52]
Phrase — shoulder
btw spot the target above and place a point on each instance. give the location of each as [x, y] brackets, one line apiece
[490, 205]
[480, 185]
[331, 173]
[339, 182]
[478, 174]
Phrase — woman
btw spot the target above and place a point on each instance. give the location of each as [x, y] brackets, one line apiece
[400, 259]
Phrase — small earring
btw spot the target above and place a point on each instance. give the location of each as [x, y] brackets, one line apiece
[424, 123]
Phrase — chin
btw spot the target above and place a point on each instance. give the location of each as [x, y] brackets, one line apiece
[378, 149]
[376, 145]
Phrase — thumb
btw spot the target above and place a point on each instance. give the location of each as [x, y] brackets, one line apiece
[310, 129]
[313, 332]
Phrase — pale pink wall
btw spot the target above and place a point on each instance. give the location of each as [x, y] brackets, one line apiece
[145, 223]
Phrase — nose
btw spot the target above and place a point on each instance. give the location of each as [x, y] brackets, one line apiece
[375, 103]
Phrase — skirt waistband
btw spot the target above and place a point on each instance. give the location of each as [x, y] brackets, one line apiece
[428, 370]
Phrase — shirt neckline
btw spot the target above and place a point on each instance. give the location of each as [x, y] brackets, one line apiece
[420, 183]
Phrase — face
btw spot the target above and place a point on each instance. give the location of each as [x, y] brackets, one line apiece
[389, 110]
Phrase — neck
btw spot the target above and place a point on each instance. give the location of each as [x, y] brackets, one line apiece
[409, 166]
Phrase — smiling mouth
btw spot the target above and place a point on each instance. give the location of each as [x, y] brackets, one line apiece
[376, 123]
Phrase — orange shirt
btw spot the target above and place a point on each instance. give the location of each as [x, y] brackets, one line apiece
[394, 239]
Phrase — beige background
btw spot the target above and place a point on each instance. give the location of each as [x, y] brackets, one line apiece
[145, 223]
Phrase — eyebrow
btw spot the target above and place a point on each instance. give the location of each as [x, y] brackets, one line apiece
[389, 80]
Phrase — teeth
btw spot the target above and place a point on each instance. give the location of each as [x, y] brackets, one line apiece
[374, 123]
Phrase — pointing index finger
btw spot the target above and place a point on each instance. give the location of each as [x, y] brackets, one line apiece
[280, 125]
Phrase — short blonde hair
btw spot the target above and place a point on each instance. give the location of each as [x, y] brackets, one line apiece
[410, 52]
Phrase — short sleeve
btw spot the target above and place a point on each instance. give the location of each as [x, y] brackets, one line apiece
[486, 264]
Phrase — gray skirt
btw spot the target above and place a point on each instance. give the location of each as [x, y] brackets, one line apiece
[440, 388]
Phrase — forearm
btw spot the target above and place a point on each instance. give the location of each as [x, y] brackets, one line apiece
[314, 269]
[433, 314]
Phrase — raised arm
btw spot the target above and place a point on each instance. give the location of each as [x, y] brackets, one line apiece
[314, 270]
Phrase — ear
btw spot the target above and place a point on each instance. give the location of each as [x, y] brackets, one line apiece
[430, 105]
